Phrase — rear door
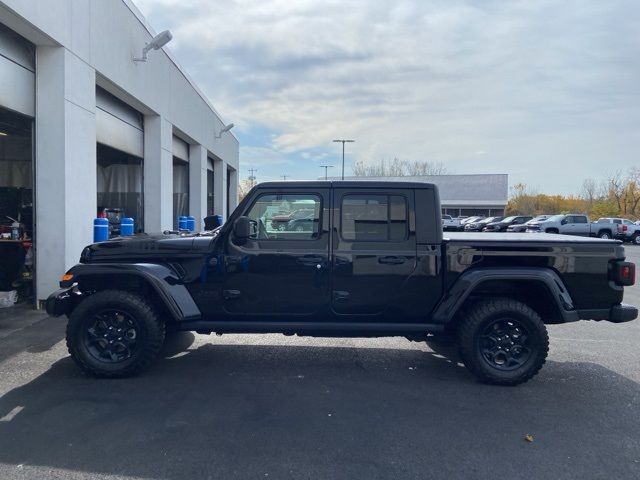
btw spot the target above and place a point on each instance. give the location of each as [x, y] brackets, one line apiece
[581, 225]
[373, 249]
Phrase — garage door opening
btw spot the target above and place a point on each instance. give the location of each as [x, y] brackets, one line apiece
[120, 191]
[17, 226]
[180, 190]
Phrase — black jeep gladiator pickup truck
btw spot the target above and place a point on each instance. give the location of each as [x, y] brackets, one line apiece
[373, 263]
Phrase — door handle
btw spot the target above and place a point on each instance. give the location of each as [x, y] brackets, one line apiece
[231, 294]
[341, 260]
[340, 295]
[391, 260]
[312, 261]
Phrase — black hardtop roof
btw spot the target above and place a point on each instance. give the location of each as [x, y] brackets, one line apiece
[351, 184]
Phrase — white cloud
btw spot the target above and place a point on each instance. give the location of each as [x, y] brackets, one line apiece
[535, 85]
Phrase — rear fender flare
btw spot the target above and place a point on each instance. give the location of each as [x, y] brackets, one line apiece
[472, 279]
[164, 281]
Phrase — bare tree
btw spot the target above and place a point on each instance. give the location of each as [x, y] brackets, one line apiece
[398, 168]
[590, 191]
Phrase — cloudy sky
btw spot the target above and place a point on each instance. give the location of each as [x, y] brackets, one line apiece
[546, 91]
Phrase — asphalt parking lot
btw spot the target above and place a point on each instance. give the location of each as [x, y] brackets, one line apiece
[268, 406]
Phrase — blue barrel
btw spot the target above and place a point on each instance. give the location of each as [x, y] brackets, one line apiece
[219, 219]
[100, 229]
[126, 226]
[191, 223]
[182, 222]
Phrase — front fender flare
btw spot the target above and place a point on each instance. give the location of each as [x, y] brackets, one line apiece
[164, 281]
[471, 279]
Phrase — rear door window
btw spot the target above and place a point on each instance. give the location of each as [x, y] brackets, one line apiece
[374, 218]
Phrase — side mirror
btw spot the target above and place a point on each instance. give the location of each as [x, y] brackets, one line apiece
[242, 228]
[563, 221]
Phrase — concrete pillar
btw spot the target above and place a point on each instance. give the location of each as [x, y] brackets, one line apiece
[158, 174]
[198, 184]
[233, 190]
[220, 188]
[65, 163]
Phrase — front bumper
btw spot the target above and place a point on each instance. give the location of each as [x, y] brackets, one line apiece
[62, 302]
[617, 314]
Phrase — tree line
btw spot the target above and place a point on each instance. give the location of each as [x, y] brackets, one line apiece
[618, 195]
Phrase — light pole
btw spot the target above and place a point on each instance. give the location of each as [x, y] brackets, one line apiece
[252, 176]
[343, 142]
[326, 167]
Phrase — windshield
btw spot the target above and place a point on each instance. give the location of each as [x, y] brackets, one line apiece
[556, 218]
[509, 219]
[488, 220]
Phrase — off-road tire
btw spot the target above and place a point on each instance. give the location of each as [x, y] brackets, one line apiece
[151, 326]
[605, 235]
[481, 314]
[635, 239]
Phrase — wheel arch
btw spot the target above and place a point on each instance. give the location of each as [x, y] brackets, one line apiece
[156, 282]
[542, 289]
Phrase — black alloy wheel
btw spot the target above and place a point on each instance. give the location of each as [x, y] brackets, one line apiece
[504, 344]
[112, 336]
[502, 341]
[115, 333]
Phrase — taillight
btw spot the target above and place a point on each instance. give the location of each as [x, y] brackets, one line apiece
[624, 273]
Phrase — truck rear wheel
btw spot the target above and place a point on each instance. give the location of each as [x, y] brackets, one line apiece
[503, 341]
[114, 333]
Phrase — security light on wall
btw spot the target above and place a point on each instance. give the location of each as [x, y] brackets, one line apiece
[156, 43]
[225, 129]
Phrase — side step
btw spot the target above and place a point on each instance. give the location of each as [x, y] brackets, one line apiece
[316, 329]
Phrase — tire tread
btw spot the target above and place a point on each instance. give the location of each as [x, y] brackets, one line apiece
[474, 315]
[155, 334]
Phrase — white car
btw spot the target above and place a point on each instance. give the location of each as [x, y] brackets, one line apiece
[450, 223]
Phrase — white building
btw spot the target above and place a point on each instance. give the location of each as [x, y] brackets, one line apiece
[83, 126]
[477, 194]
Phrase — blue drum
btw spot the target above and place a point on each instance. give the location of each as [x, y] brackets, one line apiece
[126, 226]
[191, 223]
[100, 229]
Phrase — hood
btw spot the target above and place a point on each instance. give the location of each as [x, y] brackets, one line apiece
[141, 247]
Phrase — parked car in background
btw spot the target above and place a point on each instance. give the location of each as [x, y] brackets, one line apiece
[631, 231]
[450, 223]
[502, 225]
[467, 220]
[303, 224]
[480, 224]
[573, 224]
[609, 227]
[578, 224]
[522, 227]
[281, 222]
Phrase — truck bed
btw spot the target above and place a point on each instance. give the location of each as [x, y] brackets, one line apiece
[530, 238]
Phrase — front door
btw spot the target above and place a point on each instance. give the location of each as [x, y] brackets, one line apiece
[282, 269]
[374, 250]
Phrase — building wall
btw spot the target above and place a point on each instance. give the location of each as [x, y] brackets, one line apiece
[81, 44]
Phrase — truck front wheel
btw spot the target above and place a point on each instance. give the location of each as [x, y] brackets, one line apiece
[114, 333]
[503, 341]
